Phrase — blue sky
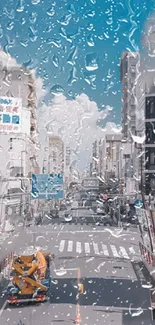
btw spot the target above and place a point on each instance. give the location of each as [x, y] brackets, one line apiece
[60, 40]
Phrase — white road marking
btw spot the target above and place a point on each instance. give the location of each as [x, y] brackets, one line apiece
[3, 307]
[132, 251]
[78, 247]
[123, 253]
[87, 248]
[70, 246]
[80, 231]
[114, 251]
[62, 246]
[96, 250]
[105, 250]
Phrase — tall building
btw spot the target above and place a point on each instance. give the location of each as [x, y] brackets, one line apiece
[150, 144]
[18, 136]
[129, 71]
[113, 144]
[55, 155]
[145, 149]
[67, 166]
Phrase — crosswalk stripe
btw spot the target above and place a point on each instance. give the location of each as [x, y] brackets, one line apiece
[114, 251]
[132, 251]
[78, 247]
[70, 246]
[124, 252]
[62, 246]
[87, 248]
[105, 250]
[96, 250]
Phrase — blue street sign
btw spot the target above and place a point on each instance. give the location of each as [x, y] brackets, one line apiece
[138, 204]
[47, 186]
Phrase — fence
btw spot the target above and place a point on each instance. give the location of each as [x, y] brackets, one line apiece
[147, 254]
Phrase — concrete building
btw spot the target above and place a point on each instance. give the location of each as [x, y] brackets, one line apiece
[125, 168]
[95, 158]
[18, 145]
[129, 71]
[67, 166]
[145, 126]
[55, 155]
[113, 143]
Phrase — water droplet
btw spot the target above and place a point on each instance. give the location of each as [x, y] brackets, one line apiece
[65, 35]
[60, 272]
[54, 41]
[71, 9]
[35, 2]
[32, 34]
[90, 27]
[147, 286]
[55, 61]
[24, 43]
[10, 15]
[91, 13]
[68, 218]
[91, 62]
[33, 17]
[90, 40]
[106, 35]
[90, 79]
[65, 20]
[23, 20]
[10, 25]
[72, 76]
[138, 139]
[20, 6]
[57, 90]
[51, 12]
[72, 56]
[100, 37]
[93, 1]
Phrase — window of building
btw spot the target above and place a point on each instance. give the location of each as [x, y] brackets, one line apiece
[150, 132]
[152, 158]
[150, 107]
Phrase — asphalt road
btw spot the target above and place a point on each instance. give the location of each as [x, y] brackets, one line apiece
[105, 260]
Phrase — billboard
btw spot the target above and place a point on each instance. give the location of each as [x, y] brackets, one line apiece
[10, 114]
[47, 186]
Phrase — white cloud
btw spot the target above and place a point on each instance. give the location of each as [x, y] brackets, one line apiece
[41, 92]
[76, 121]
[6, 60]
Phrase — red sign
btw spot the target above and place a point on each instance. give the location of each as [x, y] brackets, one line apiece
[105, 197]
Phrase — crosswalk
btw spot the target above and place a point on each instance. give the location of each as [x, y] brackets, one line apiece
[93, 248]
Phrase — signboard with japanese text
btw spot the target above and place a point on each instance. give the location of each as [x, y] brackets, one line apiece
[10, 114]
[47, 186]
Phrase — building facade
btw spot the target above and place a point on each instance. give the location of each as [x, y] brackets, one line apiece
[129, 71]
[18, 153]
[55, 155]
[113, 144]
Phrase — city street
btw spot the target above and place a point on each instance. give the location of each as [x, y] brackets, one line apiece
[105, 260]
